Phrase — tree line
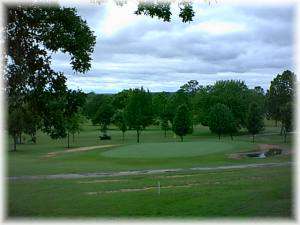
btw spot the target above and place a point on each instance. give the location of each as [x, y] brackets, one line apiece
[225, 107]
[38, 97]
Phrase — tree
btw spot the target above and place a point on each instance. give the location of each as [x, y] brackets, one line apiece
[93, 103]
[32, 34]
[287, 118]
[232, 93]
[138, 112]
[162, 10]
[120, 99]
[201, 104]
[221, 120]
[31, 122]
[62, 107]
[182, 124]
[281, 91]
[160, 102]
[104, 115]
[15, 121]
[180, 97]
[164, 125]
[75, 124]
[120, 121]
[190, 87]
[255, 119]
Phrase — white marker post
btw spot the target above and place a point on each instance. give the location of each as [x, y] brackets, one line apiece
[158, 187]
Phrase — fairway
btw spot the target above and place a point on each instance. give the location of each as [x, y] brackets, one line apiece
[175, 149]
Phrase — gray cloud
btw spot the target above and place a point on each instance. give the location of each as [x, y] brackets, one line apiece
[257, 45]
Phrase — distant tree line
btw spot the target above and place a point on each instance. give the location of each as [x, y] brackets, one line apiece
[225, 107]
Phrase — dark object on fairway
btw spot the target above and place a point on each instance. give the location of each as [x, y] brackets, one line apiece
[273, 151]
[105, 137]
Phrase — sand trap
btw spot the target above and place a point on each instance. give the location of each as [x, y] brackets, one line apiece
[81, 149]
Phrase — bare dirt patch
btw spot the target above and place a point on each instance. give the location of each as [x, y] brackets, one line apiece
[81, 149]
[146, 172]
[99, 181]
[150, 188]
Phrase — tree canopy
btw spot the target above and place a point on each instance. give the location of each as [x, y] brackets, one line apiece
[32, 34]
[221, 120]
[281, 92]
[138, 111]
[182, 124]
[255, 119]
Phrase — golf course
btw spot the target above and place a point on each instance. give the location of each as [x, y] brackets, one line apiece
[197, 177]
[149, 110]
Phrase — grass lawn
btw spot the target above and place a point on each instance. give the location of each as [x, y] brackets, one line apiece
[237, 193]
[176, 149]
[264, 192]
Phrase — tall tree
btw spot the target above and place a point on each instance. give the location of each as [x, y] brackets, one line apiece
[287, 118]
[138, 111]
[183, 123]
[180, 97]
[221, 120]
[281, 91]
[75, 124]
[160, 102]
[120, 121]
[32, 34]
[120, 99]
[104, 116]
[255, 119]
[74, 102]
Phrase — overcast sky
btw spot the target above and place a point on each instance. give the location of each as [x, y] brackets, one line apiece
[248, 43]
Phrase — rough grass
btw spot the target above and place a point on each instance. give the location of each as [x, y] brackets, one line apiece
[252, 192]
[263, 192]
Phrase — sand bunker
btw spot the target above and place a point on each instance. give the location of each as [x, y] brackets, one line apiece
[81, 149]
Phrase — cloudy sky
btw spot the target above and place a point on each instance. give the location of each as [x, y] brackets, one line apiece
[243, 42]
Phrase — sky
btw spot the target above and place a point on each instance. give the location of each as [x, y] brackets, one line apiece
[250, 43]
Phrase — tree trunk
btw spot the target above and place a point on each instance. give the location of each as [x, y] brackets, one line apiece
[15, 142]
[219, 136]
[73, 137]
[20, 138]
[68, 140]
[281, 130]
[253, 138]
[181, 137]
[284, 135]
[138, 136]
[231, 136]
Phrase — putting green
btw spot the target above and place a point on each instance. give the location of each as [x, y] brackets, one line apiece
[175, 149]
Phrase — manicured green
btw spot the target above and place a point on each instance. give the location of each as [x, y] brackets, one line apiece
[175, 149]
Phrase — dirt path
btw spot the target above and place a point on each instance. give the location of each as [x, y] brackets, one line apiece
[145, 172]
[81, 149]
